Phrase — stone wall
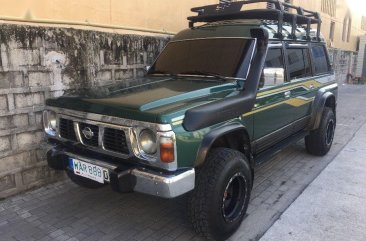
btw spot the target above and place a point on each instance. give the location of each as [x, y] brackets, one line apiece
[41, 62]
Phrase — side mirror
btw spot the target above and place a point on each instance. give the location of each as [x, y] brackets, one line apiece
[273, 77]
[146, 68]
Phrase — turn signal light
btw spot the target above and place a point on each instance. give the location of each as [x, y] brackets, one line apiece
[166, 150]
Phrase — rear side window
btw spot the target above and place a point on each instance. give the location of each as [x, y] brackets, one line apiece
[320, 60]
[298, 63]
[274, 58]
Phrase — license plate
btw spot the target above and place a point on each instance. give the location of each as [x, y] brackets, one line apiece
[90, 171]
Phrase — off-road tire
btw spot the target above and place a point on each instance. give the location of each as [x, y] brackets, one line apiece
[83, 182]
[223, 167]
[319, 141]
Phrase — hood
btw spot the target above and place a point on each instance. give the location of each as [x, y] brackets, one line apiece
[154, 99]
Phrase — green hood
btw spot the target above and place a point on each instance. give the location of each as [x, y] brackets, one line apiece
[154, 99]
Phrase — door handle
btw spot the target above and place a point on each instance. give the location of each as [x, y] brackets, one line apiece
[288, 94]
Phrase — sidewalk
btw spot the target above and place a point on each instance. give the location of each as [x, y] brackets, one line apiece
[333, 206]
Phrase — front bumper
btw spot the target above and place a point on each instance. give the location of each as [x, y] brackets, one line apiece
[126, 178]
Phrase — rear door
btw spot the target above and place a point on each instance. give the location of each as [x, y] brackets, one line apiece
[300, 75]
[308, 69]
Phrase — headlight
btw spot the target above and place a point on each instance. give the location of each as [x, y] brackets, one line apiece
[49, 122]
[147, 141]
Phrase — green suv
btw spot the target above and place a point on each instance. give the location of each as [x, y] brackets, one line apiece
[222, 97]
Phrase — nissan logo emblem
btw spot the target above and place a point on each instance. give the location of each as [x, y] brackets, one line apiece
[88, 133]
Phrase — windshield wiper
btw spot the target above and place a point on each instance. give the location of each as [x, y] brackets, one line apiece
[206, 74]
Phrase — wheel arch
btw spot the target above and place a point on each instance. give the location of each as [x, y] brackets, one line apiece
[326, 97]
[234, 136]
[331, 102]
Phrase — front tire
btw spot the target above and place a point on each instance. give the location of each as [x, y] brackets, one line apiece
[222, 193]
[319, 141]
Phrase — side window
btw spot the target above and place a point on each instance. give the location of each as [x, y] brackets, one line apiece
[320, 60]
[274, 59]
[298, 63]
[273, 72]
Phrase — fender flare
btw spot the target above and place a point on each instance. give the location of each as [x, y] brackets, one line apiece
[212, 136]
[319, 103]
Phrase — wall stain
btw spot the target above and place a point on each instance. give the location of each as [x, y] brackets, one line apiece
[87, 52]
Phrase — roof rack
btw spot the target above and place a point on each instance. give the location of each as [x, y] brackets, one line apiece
[228, 10]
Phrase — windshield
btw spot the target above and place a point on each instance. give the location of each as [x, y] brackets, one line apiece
[227, 57]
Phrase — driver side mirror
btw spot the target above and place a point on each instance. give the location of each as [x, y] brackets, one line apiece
[146, 69]
[272, 77]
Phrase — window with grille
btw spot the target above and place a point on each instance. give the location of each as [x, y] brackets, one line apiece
[329, 7]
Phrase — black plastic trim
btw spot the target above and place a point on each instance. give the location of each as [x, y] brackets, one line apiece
[212, 136]
[269, 153]
[318, 107]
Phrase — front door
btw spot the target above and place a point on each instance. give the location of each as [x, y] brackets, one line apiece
[271, 113]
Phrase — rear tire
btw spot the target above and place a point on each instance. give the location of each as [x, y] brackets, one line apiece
[83, 182]
[319, 141]
[220, 199]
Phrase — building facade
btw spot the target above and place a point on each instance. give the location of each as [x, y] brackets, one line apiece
[51, 47]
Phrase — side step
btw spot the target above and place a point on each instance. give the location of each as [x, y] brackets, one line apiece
[267, 154]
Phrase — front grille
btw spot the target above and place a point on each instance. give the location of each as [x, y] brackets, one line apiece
[89, 134]
[66, 128]
[115, 140]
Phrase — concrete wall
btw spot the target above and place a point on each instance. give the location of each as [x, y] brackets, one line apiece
[41, 62]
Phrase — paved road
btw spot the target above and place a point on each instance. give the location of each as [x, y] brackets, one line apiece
[332, 207]
[64, 211]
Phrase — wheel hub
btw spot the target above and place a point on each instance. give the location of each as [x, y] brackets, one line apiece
[234, 196]
[329, 132]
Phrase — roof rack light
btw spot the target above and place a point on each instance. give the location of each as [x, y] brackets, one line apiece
[228, 10]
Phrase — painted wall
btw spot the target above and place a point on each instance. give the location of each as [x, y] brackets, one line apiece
[165, 15]
[162, 15]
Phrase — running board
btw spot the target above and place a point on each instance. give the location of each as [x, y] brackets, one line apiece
[267, 154]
